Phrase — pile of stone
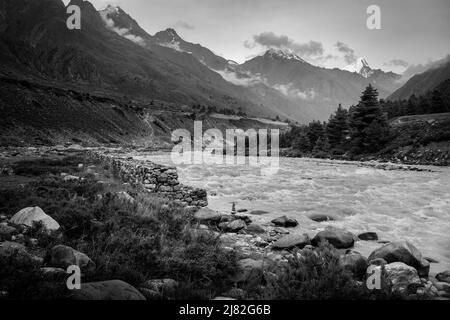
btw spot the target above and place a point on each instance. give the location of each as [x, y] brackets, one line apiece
[152, 177]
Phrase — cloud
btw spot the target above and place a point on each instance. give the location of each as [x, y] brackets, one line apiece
[290, 91]
[123, 32]
[349, 54]
[397, 63]
[270, 40]
[412, 70]
[183, 25]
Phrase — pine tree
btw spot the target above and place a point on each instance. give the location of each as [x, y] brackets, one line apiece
[337, 128]
[322, 147]
[301, 142]
[368, 125]
[437, 103]
[315, 131]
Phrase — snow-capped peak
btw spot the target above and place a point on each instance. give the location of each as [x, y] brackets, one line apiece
[360, 66]
[283, 54]
[110, 9]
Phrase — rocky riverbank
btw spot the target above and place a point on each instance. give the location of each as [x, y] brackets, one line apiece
[40, 237]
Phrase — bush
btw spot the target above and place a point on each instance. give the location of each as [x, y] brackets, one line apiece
[317, 275]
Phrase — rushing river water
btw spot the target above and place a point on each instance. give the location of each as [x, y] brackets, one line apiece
[398, 205]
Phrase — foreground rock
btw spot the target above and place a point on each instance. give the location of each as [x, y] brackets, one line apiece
[107, 290]
[292, 241]
[338, 238]
[29, 216]
[402, 251]
[285, 222]
[63, 256]
[401, 277]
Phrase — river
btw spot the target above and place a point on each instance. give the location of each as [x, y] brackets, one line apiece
[397, 205]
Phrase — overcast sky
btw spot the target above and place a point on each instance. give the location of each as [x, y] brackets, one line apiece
[326, 32]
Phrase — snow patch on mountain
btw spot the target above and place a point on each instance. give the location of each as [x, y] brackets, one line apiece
[361, 66]
[111, 11]
[286, 54]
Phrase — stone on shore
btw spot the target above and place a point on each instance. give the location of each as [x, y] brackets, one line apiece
[444, 276]
[402, 251]
[28, 216]
[368, 236]
[107, 290]
[207, 215]
[254, 228]
[285, 222]
[338, 238]
[233, 226]
[292, 241]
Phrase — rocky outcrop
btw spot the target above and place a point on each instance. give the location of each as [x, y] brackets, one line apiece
[29, 216]
[401, 277]
[107, 290]
[152, 177]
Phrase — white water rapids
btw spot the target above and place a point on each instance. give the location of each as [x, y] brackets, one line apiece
[397, 205]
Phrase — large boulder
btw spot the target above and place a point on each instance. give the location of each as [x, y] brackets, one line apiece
[340, 239]
[402, 251]
[401, 276]
[61, 256]
[107, 290]
[285, 222]
[28, 216]
[254, 228]
[207, 215]
[292, 241]
[355, 263]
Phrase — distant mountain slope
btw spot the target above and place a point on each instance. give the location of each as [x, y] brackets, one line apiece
[321, 88]
[117, 59]
[423, 82]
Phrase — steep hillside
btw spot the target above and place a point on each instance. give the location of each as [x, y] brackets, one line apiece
[421, 83]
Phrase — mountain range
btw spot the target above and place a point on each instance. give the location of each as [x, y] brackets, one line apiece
[114, 56]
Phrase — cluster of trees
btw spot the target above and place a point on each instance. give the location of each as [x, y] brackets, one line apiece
[431, 102]
[213, 109]
[361, 129]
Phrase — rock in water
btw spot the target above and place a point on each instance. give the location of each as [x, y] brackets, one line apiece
[292, 241]
[340, 239]
[207, 215]
[30, 215]
[355, 263]
[107, 290]
[255, 228]
[321, 217]
[64, 256]
[368, 236]
[402, 251]
[285, 222]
